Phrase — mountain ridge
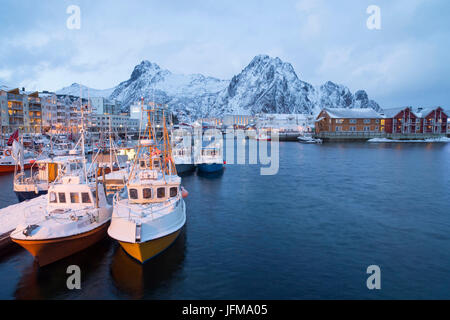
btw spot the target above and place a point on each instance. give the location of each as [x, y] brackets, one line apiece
[265, 85]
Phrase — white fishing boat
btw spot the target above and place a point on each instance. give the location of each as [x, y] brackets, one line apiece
[263, 135]
[151, 213]
[75, 217]
[182, 156]
[42, 173]
[309, 140]
[210, 159]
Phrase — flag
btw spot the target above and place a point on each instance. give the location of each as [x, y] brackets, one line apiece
[14, 136]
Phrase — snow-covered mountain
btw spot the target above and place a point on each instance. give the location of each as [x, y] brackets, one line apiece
[266, 85]
[74, 90]
[190, 95]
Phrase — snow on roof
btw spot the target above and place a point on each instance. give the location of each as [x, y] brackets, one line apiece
[352, 113]
[390, 113]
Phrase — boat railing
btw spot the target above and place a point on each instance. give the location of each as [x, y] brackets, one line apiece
[154, 208]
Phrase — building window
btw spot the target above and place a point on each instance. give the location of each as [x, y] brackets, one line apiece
[367, 121]
[353, 121]
[377, 121]
[62, 197]
[338, 129]
[353, 128]
[339, 120]
[366, 129]
[85, 198]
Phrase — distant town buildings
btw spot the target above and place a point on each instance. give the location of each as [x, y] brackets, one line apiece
[35, 112]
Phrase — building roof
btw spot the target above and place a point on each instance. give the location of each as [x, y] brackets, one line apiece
[365, 113]
[390, 113]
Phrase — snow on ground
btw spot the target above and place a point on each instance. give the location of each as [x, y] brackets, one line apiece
[28, 211]
[441, 139]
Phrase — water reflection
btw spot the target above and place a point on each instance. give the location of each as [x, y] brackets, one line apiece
[49, 282]
[211, 175]
[136, 280]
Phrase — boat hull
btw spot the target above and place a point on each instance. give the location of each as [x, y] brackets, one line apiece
[5, 241]
[185, 167]
[210, 167]
[144, 251]
[48, 251]
[11, 168]
[28, 195]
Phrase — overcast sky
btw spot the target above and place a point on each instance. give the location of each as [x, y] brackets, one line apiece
[404, 63]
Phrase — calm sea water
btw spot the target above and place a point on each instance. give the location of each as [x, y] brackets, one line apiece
[309, 232]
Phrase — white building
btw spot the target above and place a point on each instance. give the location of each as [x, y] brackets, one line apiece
[119, 123]
[238, 120]
[101, 105]
[286, 122]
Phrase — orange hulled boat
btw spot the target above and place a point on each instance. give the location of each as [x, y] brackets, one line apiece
[76, 216]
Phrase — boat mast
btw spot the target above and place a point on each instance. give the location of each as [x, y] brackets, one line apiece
[83, 154]
[110, 146]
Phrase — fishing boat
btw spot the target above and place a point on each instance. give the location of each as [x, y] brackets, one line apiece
[210, 159]
[309, 140]
[150, 214]
[182, 156]
[76, 216]
[42, 173]
[263, 135]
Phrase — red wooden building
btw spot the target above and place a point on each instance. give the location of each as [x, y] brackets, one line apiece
[424, 121]
[434, 121]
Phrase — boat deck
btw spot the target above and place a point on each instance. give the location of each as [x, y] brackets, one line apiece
[12, 216]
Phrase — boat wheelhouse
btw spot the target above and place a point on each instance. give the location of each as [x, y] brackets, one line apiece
[210, 159]
[42, 173]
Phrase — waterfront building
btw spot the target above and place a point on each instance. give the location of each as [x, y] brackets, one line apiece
[434, 121]
[402, 121]
[238, 121]
[353, 121]
[300, 123]
[398, 123]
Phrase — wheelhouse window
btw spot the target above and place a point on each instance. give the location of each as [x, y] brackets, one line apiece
[74, 197]
[161, 193]
[133, 194]
[173, 192]
[85, 198]
[147, 193]
[53, 198]
[62, 197]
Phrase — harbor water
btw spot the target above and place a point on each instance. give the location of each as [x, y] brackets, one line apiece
[308, 232]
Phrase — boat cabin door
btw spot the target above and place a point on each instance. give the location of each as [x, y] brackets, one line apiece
[52, 171]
